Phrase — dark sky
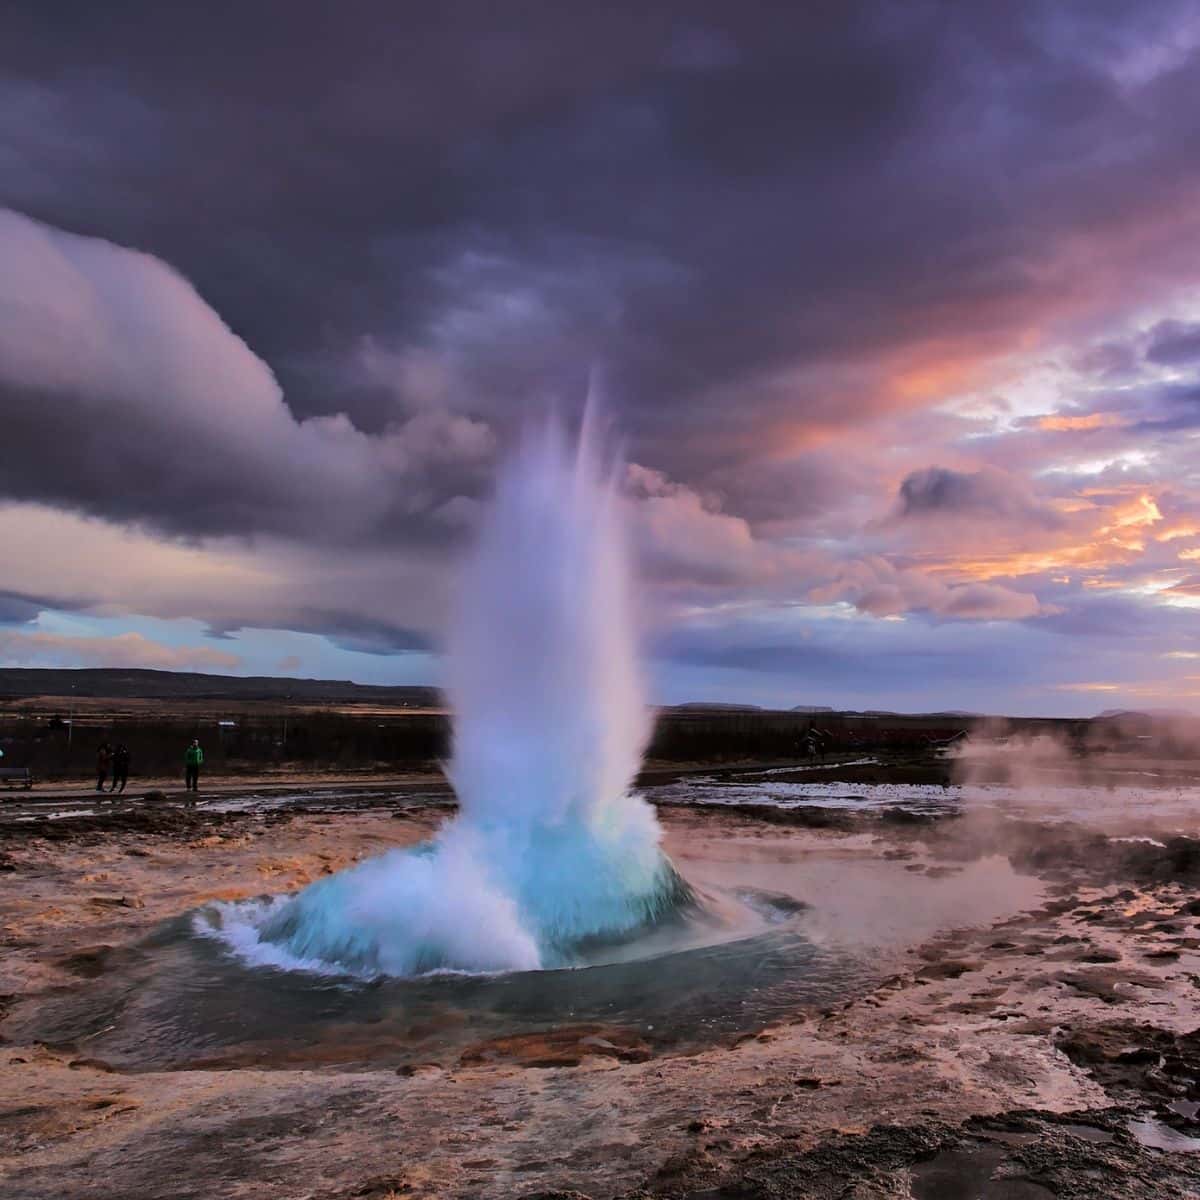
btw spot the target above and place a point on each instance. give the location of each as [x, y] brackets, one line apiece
[897, 306]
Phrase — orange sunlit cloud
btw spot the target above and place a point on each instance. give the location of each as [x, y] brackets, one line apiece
[1095, 556]
[1174, 533]
[938, 369]
[1117, 542]
[900, 383]
[933, 380]
[1151, 690]
[1138, 512]
[1060, 424]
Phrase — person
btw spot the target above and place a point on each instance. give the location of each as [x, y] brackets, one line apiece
[120, 770]
[103, 758]
[193, 759]
[812, 741]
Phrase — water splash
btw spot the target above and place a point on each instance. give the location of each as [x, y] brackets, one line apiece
[550, 852]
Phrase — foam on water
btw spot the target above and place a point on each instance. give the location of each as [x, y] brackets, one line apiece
[550, 851]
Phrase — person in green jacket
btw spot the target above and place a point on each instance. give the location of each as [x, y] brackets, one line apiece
[193, 759]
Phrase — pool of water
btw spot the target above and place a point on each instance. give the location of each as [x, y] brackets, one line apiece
[784, 926]
[1125, 806]
[184, 999]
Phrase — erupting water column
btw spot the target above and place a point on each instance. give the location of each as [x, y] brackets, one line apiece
[550, 850]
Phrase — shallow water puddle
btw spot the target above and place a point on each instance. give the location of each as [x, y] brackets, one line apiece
[1157, 1136]
[1089, 1133]
[971, 1175]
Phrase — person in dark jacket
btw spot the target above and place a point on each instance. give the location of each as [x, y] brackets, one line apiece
[120, 768]
[193, 760]
[103, 758]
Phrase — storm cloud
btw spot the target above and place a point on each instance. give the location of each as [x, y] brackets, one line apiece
[987, 494]
[151, 408]
[519, 197]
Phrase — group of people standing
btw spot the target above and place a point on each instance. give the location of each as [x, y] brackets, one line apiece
[116, 760]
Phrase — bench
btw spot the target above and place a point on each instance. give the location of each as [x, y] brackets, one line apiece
[11, 776]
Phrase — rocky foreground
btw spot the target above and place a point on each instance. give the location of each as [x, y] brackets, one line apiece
[1046, 1054]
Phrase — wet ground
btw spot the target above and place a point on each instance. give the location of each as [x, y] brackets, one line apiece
[942, 998]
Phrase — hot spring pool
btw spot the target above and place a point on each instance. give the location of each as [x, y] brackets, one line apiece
[780, 932]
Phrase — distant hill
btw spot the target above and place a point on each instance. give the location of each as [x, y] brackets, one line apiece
[1155, 714]
[717, 706]
[115, 683]
[810, 708]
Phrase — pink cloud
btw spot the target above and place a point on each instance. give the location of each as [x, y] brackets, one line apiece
[122, 650]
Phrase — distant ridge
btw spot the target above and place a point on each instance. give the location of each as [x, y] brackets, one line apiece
[141, 684]
[719, 706]
[810, 708]
[1157, 714]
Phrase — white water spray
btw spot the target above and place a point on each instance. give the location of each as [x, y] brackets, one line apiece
[550, 850]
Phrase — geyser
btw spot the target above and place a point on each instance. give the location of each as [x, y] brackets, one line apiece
[551, 851]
